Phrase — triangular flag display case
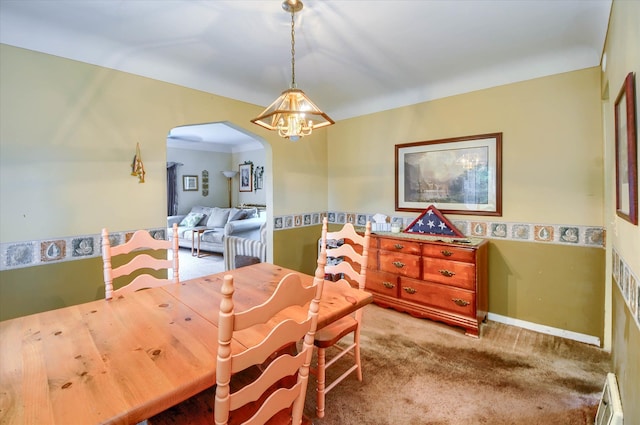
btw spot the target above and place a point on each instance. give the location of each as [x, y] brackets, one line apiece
[432, 222]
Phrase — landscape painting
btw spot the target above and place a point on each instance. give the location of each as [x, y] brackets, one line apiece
[459, 175]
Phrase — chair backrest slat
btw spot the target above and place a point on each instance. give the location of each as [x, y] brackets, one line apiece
[281, 366]
[281, 335]
[280, 397]
[140, 243]
[142, 261]
[360, 256]
[288, 293]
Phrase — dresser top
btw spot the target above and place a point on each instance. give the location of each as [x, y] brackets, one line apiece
[461, 241]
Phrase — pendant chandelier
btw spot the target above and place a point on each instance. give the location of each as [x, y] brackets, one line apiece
[293, 114]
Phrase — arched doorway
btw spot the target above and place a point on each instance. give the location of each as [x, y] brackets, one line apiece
[203, 152]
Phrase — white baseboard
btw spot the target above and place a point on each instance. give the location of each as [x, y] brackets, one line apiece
[587, 339]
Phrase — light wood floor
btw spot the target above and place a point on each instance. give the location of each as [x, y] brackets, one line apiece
[191, 267]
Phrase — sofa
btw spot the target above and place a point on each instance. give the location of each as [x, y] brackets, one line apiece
[214, 224]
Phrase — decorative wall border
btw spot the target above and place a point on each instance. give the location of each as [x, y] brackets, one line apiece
[564, 234]
[628, 284]
[16, 255]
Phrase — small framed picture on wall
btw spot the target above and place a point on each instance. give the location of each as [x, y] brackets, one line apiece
[246, 177]
[190, 183]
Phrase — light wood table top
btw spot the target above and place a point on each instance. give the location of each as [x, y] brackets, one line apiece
[124, 360]
[253, 285]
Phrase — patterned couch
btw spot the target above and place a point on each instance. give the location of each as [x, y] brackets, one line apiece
[215, 224]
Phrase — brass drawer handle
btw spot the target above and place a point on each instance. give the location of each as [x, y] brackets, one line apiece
[388, 285]
[410, 290]
[446, 253]
[461, 303]
[398, 246]
[446, 273]
[398, 264]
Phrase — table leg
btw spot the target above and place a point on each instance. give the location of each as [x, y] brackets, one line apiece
[193, 234]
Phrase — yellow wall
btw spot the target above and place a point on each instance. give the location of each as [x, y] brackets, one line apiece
[552, 165]
[622, 51]
[67, 137]
[71, 128]
[550, 285]
[551, 149]
[548, 140]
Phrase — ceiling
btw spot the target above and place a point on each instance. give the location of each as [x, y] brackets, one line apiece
[351, 57]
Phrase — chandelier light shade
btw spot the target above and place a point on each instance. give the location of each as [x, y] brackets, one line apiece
[292, 114]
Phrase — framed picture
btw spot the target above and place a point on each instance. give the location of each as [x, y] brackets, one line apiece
[258, 178]
[626, 157]
[189, 183]
[246, 177]
[461, 175]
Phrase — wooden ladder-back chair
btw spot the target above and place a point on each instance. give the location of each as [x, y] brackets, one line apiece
[272, 394]
[140, 241]
[353, 249]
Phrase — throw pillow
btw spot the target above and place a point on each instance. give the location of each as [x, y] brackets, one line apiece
[206, 211]
[191, 220]
[218, 217]
[252, 212]
[240, 215]
[246, 260]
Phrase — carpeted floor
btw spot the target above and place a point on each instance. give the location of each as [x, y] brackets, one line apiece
[420, 372]
[191, 267]
[417, 371]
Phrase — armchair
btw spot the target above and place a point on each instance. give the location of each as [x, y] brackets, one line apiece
[239, 252]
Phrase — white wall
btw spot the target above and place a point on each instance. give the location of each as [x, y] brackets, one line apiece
[195, 161]
[258, 157]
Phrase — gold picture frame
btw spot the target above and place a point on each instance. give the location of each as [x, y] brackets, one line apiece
[460, 175]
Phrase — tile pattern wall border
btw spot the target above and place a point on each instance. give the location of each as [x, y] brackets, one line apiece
[564, 234]
[16, 255]
[628, 284]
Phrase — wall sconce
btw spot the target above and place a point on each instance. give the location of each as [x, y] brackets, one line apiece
[137, 167]
[229, 175]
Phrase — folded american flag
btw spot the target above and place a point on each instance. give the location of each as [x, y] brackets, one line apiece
[432, 222]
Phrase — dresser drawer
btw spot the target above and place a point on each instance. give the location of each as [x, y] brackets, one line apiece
[402, 264]
[452, 299]
[462, 275]
[372, 259]
[382, 283]
[452, 253]
[397, 245]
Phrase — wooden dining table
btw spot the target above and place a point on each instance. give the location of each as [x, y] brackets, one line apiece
[124, 360]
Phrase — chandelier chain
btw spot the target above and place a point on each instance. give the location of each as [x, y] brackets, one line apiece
[293, 51]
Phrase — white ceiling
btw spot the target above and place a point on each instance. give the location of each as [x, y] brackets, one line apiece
[352, 57]
[214, 137]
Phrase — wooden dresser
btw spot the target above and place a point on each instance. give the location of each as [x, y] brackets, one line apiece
[432, 277]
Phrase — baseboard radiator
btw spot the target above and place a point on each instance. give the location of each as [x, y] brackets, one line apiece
[610, 407]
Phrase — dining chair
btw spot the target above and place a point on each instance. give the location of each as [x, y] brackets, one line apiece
[140, 244]
[347, 255]
[267, 383]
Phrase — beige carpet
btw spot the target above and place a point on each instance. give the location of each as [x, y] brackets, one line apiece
[417, 371]
[190, 267]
